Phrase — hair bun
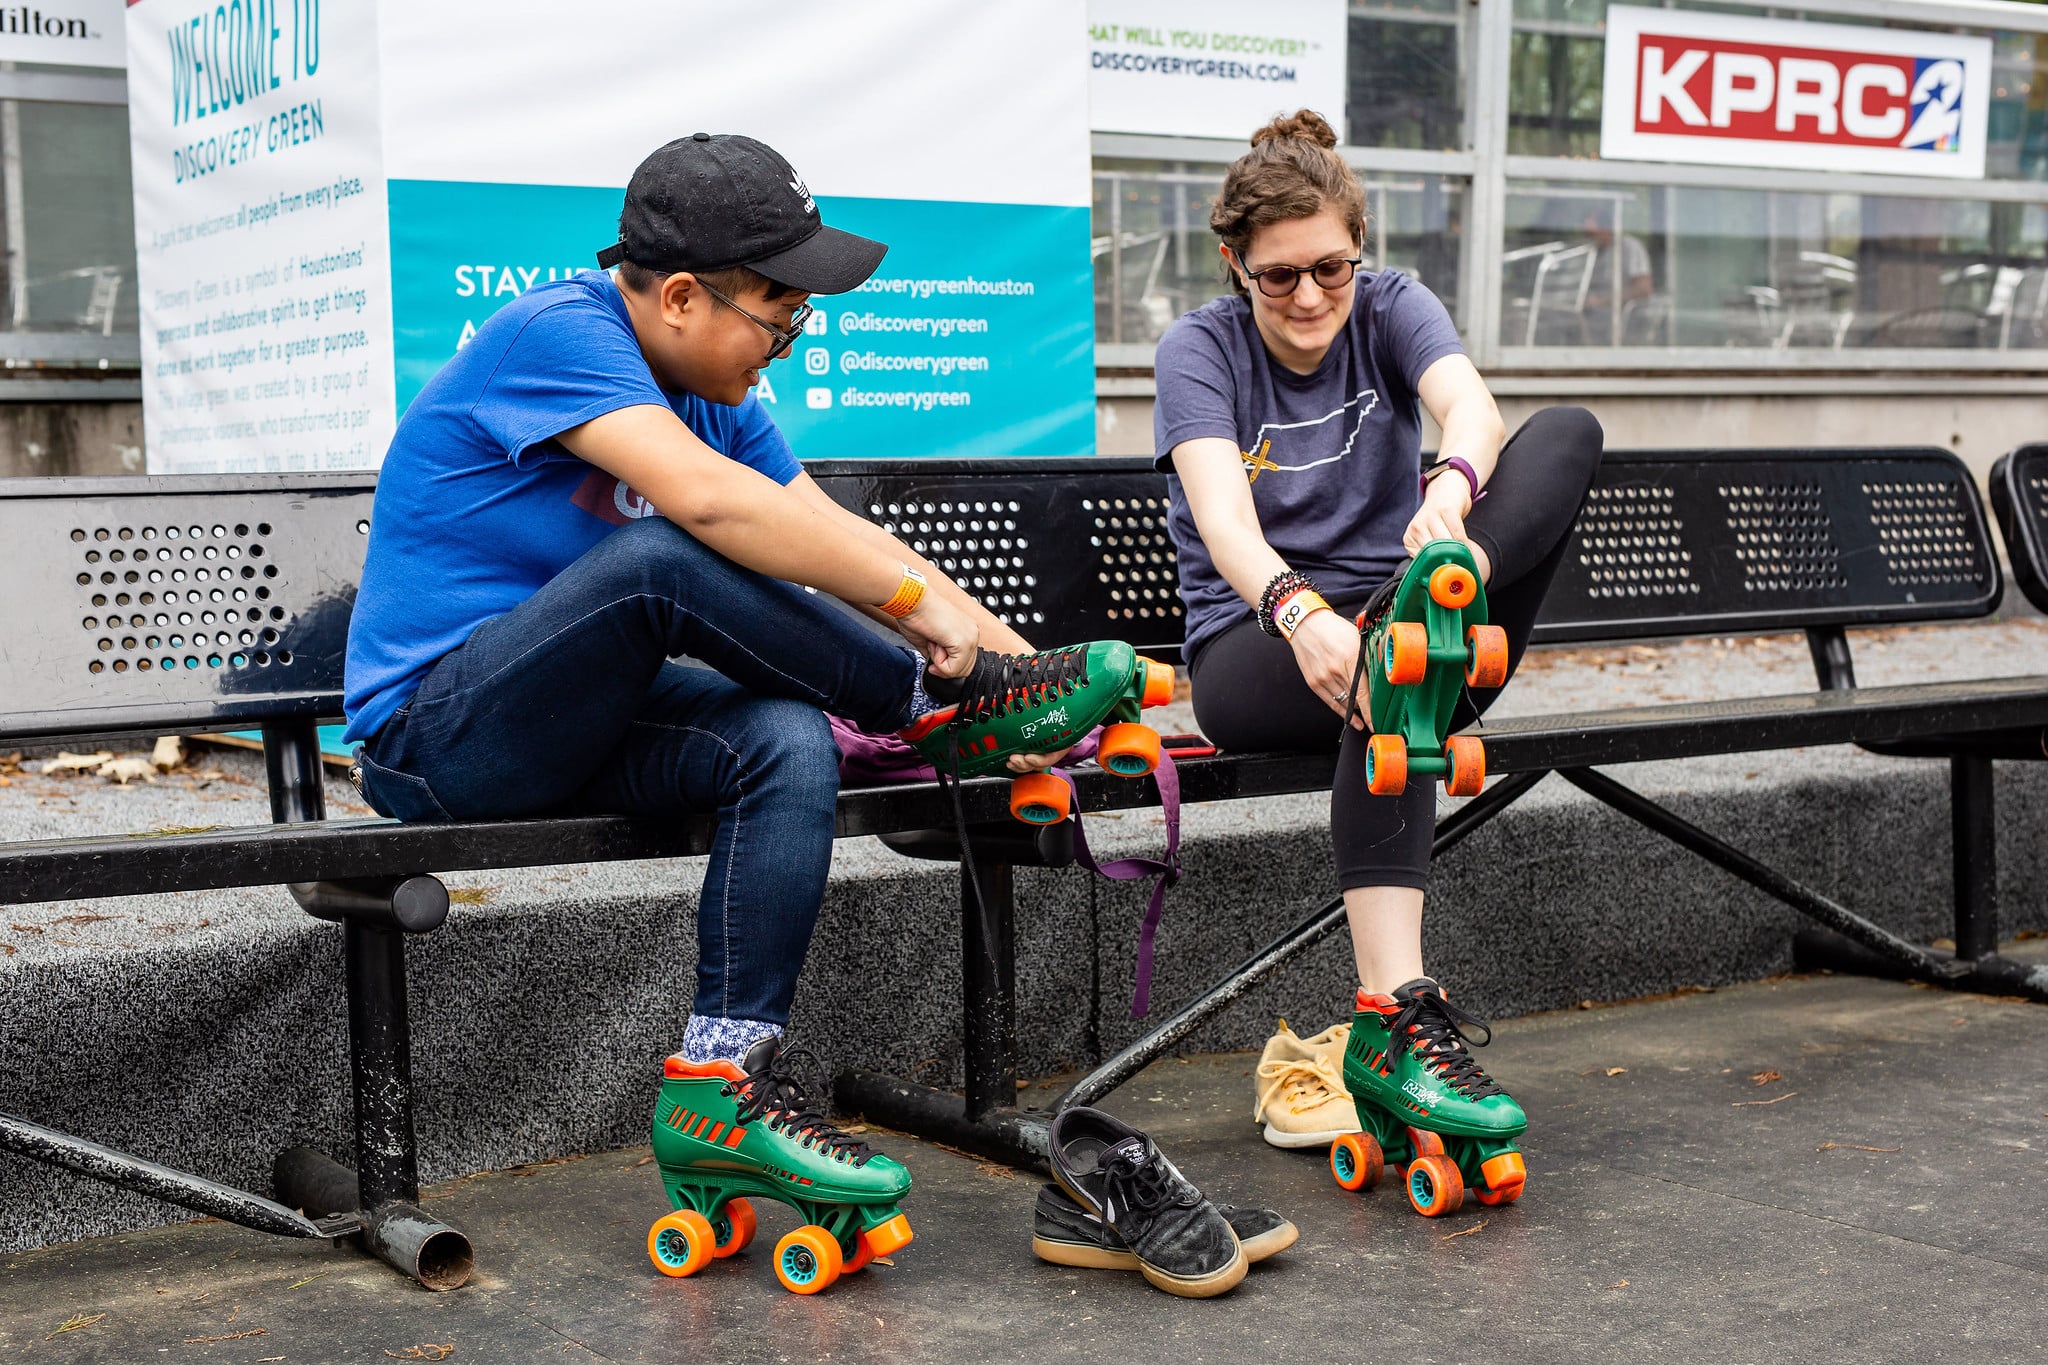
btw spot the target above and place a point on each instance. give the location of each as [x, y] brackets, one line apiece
[1305, 124]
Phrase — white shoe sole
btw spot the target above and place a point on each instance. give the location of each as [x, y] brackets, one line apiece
[1279, 1139]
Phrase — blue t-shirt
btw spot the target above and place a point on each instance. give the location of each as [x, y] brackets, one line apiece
[1335, 488]
[478, 506]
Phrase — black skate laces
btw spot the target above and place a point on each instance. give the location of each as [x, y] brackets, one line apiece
[1376, 606]
[1011, 680]
[1143, 1184]
[777, 1094]
[1429, 1026]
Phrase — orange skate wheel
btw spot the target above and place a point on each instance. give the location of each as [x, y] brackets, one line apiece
[1453, 586]
[1129, 749]
[1466, 773]
[734, 1228]
[863, 1252]
[1434, 1186]
[1504, 1175]
[1386, 765]
[1158, 689]
[1404, 658]
[680, 1243]
[1040, 799]
[807, 1260]
[1486, 656]
[1425, 1143]
[1356, 1161]
[889, 1238]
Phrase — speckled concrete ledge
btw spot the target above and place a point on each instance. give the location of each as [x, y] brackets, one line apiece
[206, 1030]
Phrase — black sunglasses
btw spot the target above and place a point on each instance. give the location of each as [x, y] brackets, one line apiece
[785, 337]
[1278, 281]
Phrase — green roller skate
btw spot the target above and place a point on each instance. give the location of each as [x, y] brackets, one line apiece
[1042, 703]
[723, 1133]
[1425, 1106]
[1425, 640]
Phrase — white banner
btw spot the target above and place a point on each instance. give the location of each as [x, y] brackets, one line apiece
[262, 242]
[66, 32]
[1729, 90]
[1212, 68]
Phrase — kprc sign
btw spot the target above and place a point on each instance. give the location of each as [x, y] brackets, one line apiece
[1729, 90]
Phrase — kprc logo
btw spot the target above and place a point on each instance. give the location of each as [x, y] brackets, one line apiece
[1713, 87]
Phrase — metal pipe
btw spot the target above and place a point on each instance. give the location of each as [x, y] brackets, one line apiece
[53, 1148]
[380, 1058]
[1005, 1134]
[1774, 883]
[1973, 837]
[988, 987]
[395, 1232]
[416, 905]
[291, 760]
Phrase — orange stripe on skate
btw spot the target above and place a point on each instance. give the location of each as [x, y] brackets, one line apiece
[701, 1124]
[712, 1136]
[732, 1139]
[676, 1119]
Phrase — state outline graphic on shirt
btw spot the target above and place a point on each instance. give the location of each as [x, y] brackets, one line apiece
[1349, 441]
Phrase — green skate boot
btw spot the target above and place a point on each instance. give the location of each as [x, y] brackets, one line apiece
[1039, 704]
[1425, 640]
[1425, 1106]
[723, 1133]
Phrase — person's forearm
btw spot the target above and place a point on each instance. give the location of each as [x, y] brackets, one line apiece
[994, 633]
[1473, 432]
[757, 523]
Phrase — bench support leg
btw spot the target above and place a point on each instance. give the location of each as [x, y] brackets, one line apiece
[1973, 821]
[988, 988]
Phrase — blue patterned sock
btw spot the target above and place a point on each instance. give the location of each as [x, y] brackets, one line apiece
[707, 1039]
[921, 703]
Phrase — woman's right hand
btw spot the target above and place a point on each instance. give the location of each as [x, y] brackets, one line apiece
[1326, 649]
[946, 635]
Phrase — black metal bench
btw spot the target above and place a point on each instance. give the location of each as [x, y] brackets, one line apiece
[2019, 499]
[1672, 543]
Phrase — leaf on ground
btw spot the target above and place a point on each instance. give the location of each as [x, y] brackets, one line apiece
[883, 1260]
[26, 928]
[638, 1164]
[11, 763]
[1852, 1147]
[68, 762]
[1467, 1232]
[424, 1351]
[76, 1323]
[1618, 1284]
[309, 1279]
[127, 768]
[163, 830]
[1766, 1077]
[82, 919]
[231, 1336]
[995, 1170]
[468, 895]
[168, 753]
[1617, 1071]
[1744, 1104]
[8, 950]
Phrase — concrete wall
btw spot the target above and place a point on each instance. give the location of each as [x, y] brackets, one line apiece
[39, 440]
[1978, 427]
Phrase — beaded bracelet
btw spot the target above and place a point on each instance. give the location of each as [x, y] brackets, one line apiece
[1284, 584]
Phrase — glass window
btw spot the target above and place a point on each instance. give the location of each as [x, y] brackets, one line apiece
[69, 263]
[1558, 51]
[1403, 76]
[1155, 257]
[1674, 266]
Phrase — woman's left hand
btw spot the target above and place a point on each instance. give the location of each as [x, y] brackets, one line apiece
[1445, 505]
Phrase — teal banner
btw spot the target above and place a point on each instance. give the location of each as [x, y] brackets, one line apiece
[976, 336]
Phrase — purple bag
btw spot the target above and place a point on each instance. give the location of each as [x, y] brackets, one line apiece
[869, 760]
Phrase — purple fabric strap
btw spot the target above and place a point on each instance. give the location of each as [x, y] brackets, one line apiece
[1471, 477]
[1165, 871]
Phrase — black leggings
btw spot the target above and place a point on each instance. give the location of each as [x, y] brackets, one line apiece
[1250, 696]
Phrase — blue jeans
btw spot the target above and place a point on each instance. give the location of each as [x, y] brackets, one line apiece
[569, 704]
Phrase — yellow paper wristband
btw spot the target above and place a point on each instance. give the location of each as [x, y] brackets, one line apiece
[1289, 615]
[909, 593]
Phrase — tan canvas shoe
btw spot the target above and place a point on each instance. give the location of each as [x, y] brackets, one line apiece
[1301, 1095]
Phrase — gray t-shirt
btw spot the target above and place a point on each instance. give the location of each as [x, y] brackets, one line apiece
[1337, 451]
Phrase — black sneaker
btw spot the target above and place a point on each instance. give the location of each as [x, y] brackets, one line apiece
[1111, 1170]
[1066, 1234]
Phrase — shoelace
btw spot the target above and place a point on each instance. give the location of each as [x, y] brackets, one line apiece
[777, 1094]
[1301, 1083]
[1141, 1185]
[1018, 679]
[1429, 1025]
[1376, 606]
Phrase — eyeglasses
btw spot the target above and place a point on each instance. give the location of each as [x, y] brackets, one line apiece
[1278, 281]
[785, 337]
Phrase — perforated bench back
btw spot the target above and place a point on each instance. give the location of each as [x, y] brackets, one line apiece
[2019, 497]
[176, 602]
[1692, 542]
[1109, 575]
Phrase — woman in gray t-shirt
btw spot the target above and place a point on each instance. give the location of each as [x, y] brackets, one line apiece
[1289, 419]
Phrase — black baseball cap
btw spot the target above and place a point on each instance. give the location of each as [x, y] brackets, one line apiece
[711, 201]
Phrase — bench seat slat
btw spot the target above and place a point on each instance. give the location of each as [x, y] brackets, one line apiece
[66, 869]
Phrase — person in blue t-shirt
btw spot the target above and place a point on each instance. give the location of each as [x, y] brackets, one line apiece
[1288, 417]
[589, 490]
